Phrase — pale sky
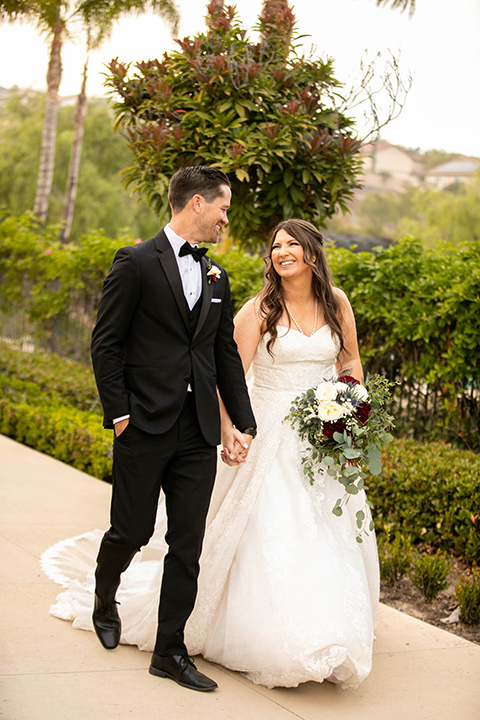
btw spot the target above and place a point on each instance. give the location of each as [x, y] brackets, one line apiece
[439, 46]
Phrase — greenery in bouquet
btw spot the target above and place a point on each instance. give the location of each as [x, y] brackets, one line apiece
[347, 426]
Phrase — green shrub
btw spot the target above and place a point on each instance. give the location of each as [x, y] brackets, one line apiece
[72, 436]
[418, 322]
[429, 573]
[245, 273]
[72, 381]
[395, 557]
[467, 594]
[51, 290]
[432, 492]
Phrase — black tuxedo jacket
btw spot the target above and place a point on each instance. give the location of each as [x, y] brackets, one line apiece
[144, 355]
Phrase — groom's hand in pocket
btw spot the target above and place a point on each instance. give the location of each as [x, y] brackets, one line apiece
[120, 426]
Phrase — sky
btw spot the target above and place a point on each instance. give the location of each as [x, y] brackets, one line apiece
[439, 47]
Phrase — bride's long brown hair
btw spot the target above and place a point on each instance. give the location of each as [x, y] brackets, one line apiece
[272, 301]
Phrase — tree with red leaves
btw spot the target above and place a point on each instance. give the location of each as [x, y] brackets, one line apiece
[266, 116]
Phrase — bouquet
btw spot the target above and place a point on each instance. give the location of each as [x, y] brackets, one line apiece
[346, 426]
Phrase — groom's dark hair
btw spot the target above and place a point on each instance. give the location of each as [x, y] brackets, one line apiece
[195, 180]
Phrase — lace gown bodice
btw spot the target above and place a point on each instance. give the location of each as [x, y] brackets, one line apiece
[299, 361]
[286, 594]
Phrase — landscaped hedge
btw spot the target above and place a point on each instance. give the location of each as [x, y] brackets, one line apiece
[50, 291]
[432, 493]
[51, 374]
[72, 436]
[418, 322]
[51, 404]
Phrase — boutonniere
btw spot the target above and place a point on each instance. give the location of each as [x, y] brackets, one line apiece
[213, 272]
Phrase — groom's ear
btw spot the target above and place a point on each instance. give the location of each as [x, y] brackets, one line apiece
[197, 203]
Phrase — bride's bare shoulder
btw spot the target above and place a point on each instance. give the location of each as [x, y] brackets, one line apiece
[251, 312]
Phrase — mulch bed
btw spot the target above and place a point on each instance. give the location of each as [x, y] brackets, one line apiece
[404, 596]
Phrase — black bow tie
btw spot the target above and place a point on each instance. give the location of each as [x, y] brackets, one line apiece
[188, 249]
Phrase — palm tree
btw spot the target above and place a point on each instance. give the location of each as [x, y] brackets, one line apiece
[53, 18]
[76, 151]
[48, 15]
[401, 5]
[99, 19]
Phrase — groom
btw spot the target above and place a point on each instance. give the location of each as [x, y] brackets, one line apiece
[162, 344]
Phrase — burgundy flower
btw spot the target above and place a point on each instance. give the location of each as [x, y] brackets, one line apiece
[331, 427]
[348, 379]
[363, 412]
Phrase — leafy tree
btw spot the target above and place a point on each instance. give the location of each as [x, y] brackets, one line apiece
[48, 15]
[54, 18]
[101, 200]
[263, 114]
[99, 18]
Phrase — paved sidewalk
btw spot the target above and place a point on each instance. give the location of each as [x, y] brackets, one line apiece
[48, 671]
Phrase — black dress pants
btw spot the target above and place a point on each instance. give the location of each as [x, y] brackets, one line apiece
[184, 465]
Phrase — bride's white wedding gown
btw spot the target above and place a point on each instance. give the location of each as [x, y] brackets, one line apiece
[286, 593]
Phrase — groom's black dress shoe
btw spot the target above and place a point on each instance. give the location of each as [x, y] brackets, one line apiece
[181, 669]
[106, 622]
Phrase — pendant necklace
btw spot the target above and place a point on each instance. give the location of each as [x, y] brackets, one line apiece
[314, 319]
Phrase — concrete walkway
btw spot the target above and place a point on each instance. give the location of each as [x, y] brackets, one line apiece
[48, 671]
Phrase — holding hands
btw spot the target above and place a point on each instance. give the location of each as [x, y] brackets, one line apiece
[235, 444]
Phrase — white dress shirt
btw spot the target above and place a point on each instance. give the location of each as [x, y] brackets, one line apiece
[190, 270]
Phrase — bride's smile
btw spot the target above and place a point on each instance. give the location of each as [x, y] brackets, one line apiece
[288, 256]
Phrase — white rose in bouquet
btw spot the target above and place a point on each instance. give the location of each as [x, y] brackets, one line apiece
[330, 411]
[360, 392]
[325, 391]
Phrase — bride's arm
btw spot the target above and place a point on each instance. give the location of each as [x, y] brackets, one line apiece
[248, 331]
[348, 362]
[247, 336]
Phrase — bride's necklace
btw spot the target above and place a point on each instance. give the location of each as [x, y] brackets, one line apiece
[314, 319]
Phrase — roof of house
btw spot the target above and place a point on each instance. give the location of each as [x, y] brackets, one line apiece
[371, 148]
[466, 166]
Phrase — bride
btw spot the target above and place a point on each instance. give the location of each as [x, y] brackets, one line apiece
[286, 593]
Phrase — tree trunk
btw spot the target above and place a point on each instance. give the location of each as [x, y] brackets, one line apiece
[215, 6]
[47, 153]
[271, 8]
[74, 166]
[276, 21]
[213, 9]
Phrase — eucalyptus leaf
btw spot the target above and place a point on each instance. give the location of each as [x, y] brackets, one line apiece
[351, 470]
[351, 453]
[375, 467]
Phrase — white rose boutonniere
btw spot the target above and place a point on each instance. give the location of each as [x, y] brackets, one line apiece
[213, 272]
